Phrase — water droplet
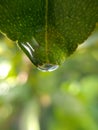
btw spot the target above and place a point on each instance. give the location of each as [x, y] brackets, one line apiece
[37, 56]
[27, 48]
[48, 67]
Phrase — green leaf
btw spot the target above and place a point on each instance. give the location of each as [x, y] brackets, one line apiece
[48, 31]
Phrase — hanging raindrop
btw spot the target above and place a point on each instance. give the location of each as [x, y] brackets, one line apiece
[31, 50]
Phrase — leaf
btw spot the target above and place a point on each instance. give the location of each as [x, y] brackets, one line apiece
[48, 31]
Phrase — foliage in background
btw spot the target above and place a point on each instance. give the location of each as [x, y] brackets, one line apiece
[66, 99]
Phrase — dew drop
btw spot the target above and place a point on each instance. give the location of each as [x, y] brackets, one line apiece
[34, 53]
[48, 67]
[27, 49]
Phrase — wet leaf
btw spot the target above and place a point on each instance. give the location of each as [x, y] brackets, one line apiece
[48, 31]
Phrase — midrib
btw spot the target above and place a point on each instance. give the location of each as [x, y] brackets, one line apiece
[46, 30]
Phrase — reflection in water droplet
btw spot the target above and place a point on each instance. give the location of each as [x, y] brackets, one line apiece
[48, 67]
[28, 47]
[31, 50]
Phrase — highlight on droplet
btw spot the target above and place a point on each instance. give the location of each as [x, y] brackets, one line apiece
[47, 67]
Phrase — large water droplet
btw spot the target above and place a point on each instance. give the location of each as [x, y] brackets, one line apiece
[48, 67]
[37, 56]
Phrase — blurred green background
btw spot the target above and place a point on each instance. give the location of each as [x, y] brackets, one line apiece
[66, 99]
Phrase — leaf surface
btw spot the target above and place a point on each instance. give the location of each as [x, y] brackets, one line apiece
[48, 31]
